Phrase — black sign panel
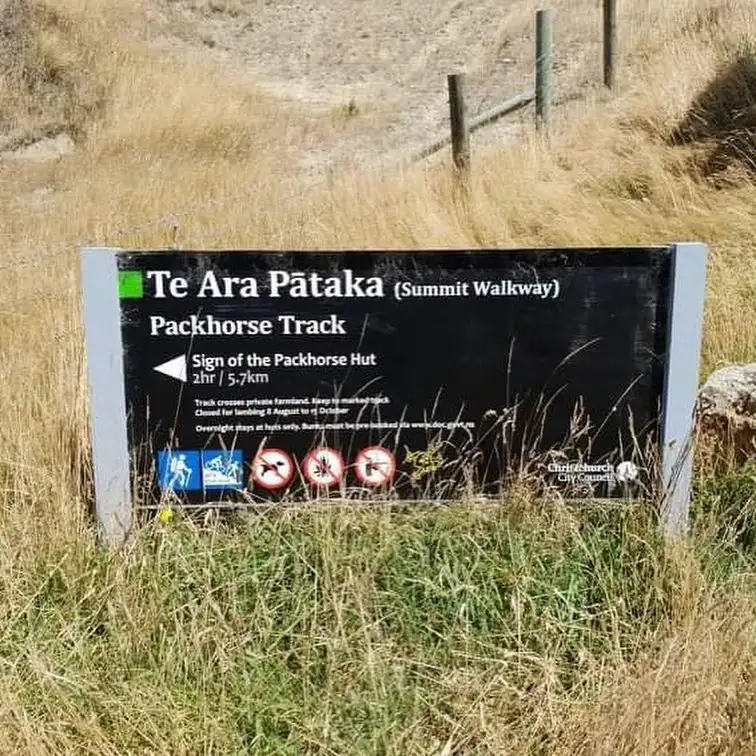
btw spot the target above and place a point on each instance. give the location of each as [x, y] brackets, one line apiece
[253, 376]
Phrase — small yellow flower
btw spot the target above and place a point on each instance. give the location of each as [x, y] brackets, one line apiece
[166, 515]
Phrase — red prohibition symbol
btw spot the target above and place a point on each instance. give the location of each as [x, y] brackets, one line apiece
[272, 469]
[323, 467]
[375, 466]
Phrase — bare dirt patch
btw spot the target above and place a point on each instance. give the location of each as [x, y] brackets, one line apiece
[380, 67]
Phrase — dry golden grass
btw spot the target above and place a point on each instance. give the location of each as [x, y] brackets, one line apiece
[662, 666]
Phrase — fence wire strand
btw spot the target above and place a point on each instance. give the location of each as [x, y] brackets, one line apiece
[170, 220]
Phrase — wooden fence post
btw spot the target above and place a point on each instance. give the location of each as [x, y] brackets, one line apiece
[543, 69]
[460, 133]
[610, 44]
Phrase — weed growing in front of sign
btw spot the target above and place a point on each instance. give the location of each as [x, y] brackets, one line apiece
[166, 515]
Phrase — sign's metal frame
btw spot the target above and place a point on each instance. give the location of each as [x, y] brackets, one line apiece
[112, 467]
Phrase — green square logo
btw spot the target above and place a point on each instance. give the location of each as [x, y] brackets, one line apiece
[130, 284]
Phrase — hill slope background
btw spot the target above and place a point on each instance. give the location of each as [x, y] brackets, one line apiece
[519, 629]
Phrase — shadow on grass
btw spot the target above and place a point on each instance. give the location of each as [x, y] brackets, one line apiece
[721, 120]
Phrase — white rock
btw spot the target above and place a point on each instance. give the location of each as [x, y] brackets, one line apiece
[727, 411]
[44, 149]
[731, 389]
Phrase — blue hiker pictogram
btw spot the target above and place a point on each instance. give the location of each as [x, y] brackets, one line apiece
[179, 470]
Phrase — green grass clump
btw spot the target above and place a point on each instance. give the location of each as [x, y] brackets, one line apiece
[339, 632]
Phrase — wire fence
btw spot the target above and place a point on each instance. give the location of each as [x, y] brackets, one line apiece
[171, 221]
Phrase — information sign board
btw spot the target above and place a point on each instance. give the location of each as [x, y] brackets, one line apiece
[246, 377]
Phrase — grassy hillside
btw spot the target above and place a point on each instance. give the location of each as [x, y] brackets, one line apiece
[519, 628]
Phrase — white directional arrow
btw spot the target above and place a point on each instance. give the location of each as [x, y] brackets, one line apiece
[174, 368]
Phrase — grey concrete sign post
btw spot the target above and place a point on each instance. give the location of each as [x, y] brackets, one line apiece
[686, 311]
[102, 321]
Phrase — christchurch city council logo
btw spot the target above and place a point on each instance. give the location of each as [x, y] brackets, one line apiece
[626, 472]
